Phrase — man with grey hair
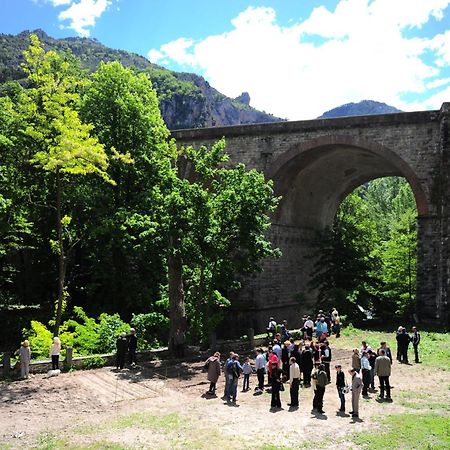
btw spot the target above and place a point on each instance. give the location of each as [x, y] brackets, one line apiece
[383, 371]
[356, 392]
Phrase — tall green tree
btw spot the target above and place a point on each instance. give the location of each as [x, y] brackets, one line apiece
[127, 226]
[64, 146]
[220, 216]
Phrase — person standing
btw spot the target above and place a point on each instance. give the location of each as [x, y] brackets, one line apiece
[403, 339]
[356, 360]
[121, 350]
[227, 378]
[321, 380]
[132, 347]
[307, 364]
[415, 339]
[384, 346]
[271, 328]
[25, 358]
[340, 385]
[325, 357]
[246, 370]
[308, 326]
[234, 370]
[356, 392]
[275, 381]
[213, 365]
[365, 368]
[383, 371]
[55, 352]
[294, 379]
[260, 365]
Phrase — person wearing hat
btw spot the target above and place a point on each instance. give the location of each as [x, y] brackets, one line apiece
[132, 347]
[321, 380]
[121, 348]
[25, 358]
[356, 391]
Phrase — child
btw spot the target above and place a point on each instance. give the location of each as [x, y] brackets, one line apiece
[246, 370]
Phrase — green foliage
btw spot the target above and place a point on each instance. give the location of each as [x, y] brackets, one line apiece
[152, 329]
[94, 362]
[84, 334]
[408, 431]
[368, 257]
[40, 339]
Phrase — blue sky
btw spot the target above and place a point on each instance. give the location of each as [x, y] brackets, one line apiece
[296, 58]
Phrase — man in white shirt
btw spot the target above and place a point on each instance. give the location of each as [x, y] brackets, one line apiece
[271, 328]
[309, 326]
[260, 365]
[294, 379]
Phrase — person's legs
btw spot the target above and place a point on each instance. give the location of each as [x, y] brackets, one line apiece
[416, 353]
[22, 370]
[355, 403]
[366, 380]
[321, 392]
[246, 383]
[55, 362]
[295, 383]
[341, 398]
[234, 387]
[260, 374]
[388, 388]
[327, 371]
[382, 380]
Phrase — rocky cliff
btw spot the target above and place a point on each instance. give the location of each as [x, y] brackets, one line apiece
[186, 100]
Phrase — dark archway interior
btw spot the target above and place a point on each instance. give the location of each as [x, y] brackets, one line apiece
[313, 183]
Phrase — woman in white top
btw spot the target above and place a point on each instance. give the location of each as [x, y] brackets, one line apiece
[54, 352]
[25, 358]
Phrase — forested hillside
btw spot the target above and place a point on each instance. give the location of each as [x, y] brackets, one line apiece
[96, 211]
[186, 100]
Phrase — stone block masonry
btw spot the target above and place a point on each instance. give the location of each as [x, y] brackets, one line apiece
[314, 165]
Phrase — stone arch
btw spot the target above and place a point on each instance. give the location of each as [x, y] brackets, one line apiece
[314, 176]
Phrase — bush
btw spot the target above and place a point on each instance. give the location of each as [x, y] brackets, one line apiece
[94, 362]
[40, 340]
[152, 329]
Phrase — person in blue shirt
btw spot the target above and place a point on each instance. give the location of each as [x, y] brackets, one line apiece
[234, 370]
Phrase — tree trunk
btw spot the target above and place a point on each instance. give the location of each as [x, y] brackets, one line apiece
[176, 291]
[61, 256]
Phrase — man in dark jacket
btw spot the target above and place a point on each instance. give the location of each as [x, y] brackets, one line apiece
[121, 347]
[383, 371]
[403, 344]
[321, 382]
[340, 385]
[415, 339]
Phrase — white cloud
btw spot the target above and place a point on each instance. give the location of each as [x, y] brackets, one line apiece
[81, 14]
[361, 50]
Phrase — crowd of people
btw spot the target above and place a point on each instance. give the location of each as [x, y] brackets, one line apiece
[307, 361]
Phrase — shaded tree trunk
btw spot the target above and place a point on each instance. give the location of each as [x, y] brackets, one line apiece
[61, 255]
[176, 291]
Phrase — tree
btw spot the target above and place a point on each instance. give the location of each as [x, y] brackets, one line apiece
[127, 238]
[63, 144]
[219, 218]
[344, 259]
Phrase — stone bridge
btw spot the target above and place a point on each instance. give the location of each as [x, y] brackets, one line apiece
[314, 165]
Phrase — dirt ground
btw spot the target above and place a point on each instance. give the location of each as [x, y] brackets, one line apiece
[163, 405]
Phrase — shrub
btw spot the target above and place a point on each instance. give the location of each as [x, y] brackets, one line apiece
[40, 340]
[152, 329]
[109, 328]
[94, 362]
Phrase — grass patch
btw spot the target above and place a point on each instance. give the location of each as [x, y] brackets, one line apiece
[49, 441]
[434, 348]
[408, 431]
[166, 422]
[420, 401]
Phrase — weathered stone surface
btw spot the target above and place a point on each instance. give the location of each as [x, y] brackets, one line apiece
[315, 165]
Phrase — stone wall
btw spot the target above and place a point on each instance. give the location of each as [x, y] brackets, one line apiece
[315, 165]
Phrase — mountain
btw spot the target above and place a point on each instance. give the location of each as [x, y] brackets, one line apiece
[363, 108]
[186, 100]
